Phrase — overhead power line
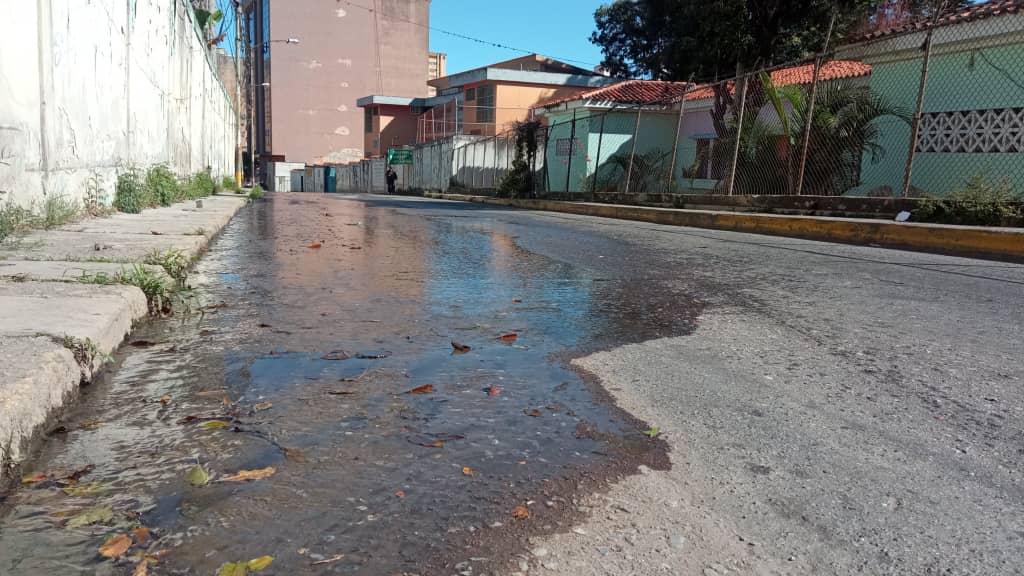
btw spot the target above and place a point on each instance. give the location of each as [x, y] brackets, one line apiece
[464, 36]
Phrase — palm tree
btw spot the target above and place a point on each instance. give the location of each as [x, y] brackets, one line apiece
[844, 133]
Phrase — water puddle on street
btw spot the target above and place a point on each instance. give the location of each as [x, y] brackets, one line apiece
[391, 451]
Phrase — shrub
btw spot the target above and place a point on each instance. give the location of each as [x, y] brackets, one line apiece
[163, 185]
[980, 202]
[228, 184]
[256, 193]
[131, 194]
[13, 218]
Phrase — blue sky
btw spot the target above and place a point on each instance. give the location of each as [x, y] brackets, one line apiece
[555, 28]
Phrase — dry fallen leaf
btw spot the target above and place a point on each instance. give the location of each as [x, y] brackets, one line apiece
[213, 424]
[424, 389]
[165, 399]
[520, 512]
[116, 546]
[259, 563]
[510, 337]
[263, 406]
[336, 355]
[141, 536]
[197, 476]
[517, 300]
[96, 515]
[536, 413]
[315, 245]
[493, 390]
[33, 479]
[329, 560]
[246, 475]
[461, 348]
[400, 493]
[142, 568]
[467, 470]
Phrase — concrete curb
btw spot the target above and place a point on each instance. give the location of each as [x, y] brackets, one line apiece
[45, 306]
[996, 243]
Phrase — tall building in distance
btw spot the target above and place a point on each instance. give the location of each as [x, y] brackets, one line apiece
[437, 66]
[306, 89]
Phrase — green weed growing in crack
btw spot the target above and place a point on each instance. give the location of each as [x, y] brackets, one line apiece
[154, 286]
[57, 210]
[174, 262]
[101, 278]
[256, 193]
[84, 349]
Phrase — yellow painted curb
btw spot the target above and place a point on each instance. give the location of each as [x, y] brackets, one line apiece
[1001, 243]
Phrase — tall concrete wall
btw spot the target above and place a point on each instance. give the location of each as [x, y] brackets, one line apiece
[90, 88]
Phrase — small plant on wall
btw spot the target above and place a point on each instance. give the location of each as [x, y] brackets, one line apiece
[518, 182]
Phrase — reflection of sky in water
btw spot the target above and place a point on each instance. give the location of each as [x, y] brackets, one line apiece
[476, 273]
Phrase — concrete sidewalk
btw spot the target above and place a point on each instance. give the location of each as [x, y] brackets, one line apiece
[48, 315]
[972, 241]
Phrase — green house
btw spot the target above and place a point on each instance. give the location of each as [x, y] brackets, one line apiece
[972, 119]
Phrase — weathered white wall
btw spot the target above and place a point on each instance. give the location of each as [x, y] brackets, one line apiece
[90, 88]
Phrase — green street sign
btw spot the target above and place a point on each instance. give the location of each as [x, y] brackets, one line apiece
[396, 157]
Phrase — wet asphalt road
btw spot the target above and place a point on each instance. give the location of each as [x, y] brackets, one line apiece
[850, 409]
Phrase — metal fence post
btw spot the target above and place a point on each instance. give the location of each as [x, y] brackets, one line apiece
[915, 127]
[572, 139]
[547, 174]
[739, 133]
[597, 161]
[632, 152]
[679, 132]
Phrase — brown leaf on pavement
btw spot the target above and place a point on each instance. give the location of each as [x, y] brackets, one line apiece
[535, 413]
[142, 568]
[461, 348]
[510, 337]
[517, 300]
[467, 470]
[141, 536]
[520, 512]
[493, 390]
[165, 399]
[424, 389]
[246, 475]
[116, 546]
[400, 493]
[263, 406]
[336, 355]
[316, 245]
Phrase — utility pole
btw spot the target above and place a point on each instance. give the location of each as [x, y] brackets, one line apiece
[259, 121]
[238, 94]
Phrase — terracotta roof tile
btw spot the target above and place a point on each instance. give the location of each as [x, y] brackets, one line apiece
[628, 92]
[833, 70]
[965, 14]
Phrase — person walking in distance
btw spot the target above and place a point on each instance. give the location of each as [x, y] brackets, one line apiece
[391, 176]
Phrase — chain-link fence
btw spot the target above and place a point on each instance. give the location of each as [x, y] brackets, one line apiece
[930, 107]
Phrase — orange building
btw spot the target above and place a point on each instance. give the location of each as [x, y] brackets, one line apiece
[480, 102]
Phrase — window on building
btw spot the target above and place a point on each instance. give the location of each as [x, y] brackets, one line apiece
[471, 94]
[485, 103]
[368, 119]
